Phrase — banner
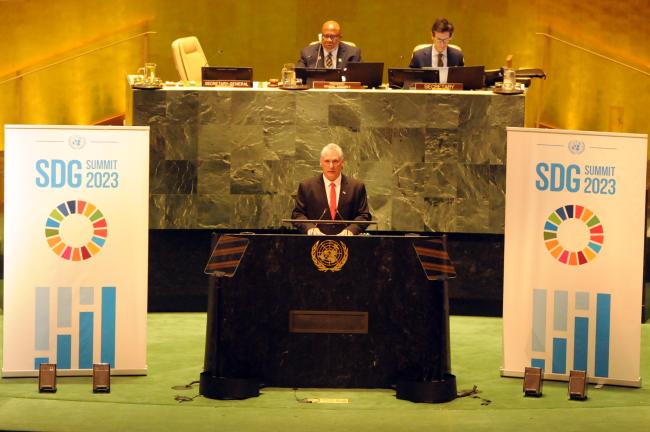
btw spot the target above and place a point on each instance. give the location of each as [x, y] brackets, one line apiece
[574, 237]
[75, 256]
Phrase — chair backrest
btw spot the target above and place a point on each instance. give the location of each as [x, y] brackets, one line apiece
[345, 42]
[420, 46]
[188, 58]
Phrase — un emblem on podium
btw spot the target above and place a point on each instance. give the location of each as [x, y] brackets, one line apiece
[329, 255]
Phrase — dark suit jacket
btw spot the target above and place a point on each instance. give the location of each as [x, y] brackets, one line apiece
[422, 58]
[312, 56]
[311, 203]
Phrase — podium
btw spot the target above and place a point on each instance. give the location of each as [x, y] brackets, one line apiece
[327, 311]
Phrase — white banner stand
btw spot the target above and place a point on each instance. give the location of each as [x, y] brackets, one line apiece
[75, 257]
[574, 245]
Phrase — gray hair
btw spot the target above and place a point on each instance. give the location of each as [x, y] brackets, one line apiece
[332, 147]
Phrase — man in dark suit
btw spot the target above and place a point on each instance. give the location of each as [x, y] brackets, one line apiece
[440, 54]
[330, 53]
[331, 196]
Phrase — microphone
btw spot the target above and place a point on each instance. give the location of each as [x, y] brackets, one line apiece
[217, 53]
[325, 210]
[342, 218]
[320, 47]
[307, 217]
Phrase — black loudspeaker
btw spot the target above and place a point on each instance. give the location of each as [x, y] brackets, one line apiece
[102, 378]
[533, 381]
[578, 385]
[47, 378]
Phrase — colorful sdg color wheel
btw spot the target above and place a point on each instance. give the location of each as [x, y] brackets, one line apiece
[92, 245]
[593, 225]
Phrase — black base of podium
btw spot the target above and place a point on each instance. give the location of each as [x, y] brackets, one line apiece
[228, 388]
[428, 391]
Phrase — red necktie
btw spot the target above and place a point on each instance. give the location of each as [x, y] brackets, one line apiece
[333, 200]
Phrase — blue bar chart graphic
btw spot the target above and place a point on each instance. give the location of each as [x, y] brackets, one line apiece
[569, 336]
[63, 332]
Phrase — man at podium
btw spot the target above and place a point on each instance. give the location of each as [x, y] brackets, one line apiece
[331, 196]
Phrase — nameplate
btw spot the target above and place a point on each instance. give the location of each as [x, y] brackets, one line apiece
[228, 83]
[438, 86]
[305, 321]
[337, 85]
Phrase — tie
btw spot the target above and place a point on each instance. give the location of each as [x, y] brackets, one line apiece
[328, 61]
[333, 200]
[440, 63]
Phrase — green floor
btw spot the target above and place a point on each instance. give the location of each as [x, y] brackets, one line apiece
[175, 356]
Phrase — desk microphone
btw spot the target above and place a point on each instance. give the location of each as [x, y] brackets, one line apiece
[217, 53]
[344, 226]
[321, 215]
[320, 47]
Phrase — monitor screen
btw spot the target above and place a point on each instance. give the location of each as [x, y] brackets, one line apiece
[309, 75]
[369, 74]
[406, 78]
[471, 77]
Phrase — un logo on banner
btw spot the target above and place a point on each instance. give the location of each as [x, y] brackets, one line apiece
[576, 146]
[329, 255]
[77, 142]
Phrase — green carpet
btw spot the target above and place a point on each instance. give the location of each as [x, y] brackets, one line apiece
[176, 343]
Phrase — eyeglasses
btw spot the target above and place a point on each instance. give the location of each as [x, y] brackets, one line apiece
[443, 41]
[331, 36]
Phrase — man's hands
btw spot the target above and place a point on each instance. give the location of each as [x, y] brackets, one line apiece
[318, 232]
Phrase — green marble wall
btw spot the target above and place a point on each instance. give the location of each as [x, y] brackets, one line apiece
[233, 158]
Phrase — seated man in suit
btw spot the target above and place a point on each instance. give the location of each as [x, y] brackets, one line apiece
[330, 53]
[440, 54]
[331, 196]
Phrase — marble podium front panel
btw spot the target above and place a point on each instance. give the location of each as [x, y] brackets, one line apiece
[233, 158]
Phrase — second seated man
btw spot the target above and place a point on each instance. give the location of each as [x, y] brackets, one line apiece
[440, 54]
[332, 196]
[330, 53]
